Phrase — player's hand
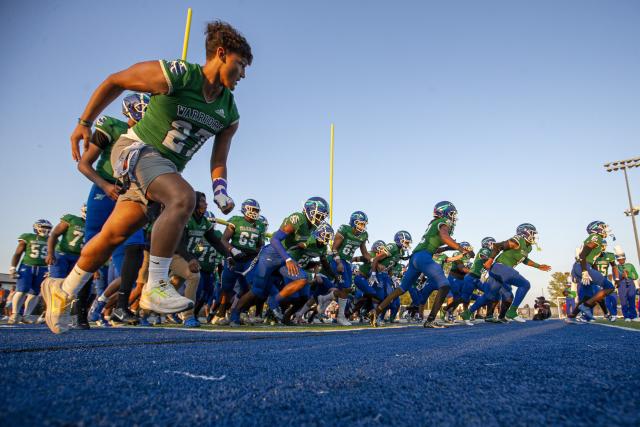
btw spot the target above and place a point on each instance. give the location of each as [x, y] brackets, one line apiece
[220, 196]
[80, 133]
[586, 278]
[544, 267]
[373, 279]
[12, 272]
[292, 267]
[111, 191]
[487, 264]
[194, 266]
[50, 259]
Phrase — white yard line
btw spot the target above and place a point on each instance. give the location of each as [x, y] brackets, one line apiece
[616, 326]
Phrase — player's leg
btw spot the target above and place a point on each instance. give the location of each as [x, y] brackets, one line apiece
[409, 280]
[23, 286]
[344, 287]
[510, 277]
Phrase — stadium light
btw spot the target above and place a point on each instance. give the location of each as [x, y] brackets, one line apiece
[632, 211]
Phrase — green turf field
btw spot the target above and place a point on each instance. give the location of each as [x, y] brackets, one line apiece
[621, 322]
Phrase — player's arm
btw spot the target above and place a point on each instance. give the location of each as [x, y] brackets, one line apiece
[534, 264]
[374, 266]
[276, 242]
[454, 258]
[446, 238]
[218, 163]
[499, 247]
[586, 248]
[99, 141]
[226, 238]
[614, 271]
[15, 259]
[141, 77]
[52, 241]
[365, 253]
[217, 243]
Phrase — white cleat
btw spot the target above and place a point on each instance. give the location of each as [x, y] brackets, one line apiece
[58, 302]
[519, 319]
[342, 321]
[636, 319]
[469, 323]
[164, 299]
[14, 319]
[219, 321]
[627, 319]
[613, 318]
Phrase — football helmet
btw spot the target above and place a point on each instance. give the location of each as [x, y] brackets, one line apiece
[402, 239]
[251, 209]
[447, 210]
[358, 221]
[134, 105]
[466, 245]
[528, 232]
[264, 221]
[210, 216]
[323, 233]
[42, 227]
[598, 227]
[316, 210]
[379, 246]
[488, 242]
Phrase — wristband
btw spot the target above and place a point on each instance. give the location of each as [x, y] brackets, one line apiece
[84, 123]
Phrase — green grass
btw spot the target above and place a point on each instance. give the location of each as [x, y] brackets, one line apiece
[621, 322]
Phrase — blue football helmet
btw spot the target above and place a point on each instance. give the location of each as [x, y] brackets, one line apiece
[447, 210]
[134, 105]
[528, 232]
[263, 220]
[488, 242]
[358, 221]
[83, 211]
[379, 246]
[316, 209]
[598, 227]
[210, 216]
[323, 233]
[251, 209]
[402, 239]
[466, 245]
[42, 227]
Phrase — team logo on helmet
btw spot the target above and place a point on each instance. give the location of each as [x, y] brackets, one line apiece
[251, 209]
[42, 227]
[598, 227]
[488, 242]
[528, 232]
[358, 221]
[447, 210]
[466, 245]
[379, 247]
[403, 239]
[316, 210]
[323, 233]
[135, 105]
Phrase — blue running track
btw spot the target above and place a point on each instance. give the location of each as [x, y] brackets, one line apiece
[533, 374]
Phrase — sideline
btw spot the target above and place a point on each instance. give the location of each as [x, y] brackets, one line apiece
[615, 326]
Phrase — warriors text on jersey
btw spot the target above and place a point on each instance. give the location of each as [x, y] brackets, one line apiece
[72, 240]
[431, 239]
[513, 257]
[351, 241]
[112, 129]
[179, 123]
[36, 250]
[246, 234]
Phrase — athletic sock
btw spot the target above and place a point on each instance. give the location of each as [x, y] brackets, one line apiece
[158, 270]
[103, 298]
[30, 304]
[133, 255]
[16, 302]
[603, 307]
[504, 307]
[342, 304]
[440, 297]
[76, 280]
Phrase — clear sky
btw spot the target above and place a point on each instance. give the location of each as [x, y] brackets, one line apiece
[506, 108]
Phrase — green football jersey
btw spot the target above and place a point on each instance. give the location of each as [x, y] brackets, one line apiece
[477, 266]
[312, 250]
[72, 240]
[208, 257]
[431, 238]
[396, 271]
[246, 234]
[366, 267]
[630, 269]
[36, 249]
[112, 129]
[301, 229]
[597, 250]
[393, 258]
[179, 123]
[440, 258]
[603, 262]
[195, 231]
[513, 257]
[351, 242]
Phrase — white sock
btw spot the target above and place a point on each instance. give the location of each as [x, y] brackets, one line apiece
[30, 304]
[16, 302]
[103, 298]
[158, 270]
[76, 280]
[342, 305]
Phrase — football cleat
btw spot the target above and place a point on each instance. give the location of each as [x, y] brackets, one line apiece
[586, 312]
[163, 299]
[191, 322]
[343, 321]
[58, 302]
[434, 324]
[14, 319]
[121, 316]
[95, 312]
[143, 321]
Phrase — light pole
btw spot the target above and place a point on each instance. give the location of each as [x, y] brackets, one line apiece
[632, 212]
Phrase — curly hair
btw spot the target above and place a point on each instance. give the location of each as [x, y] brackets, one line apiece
[222, 34]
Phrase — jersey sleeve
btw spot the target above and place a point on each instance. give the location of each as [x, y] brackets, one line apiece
[343, 230]
[23, 237]
[104, 131]
[177, 73]
[68, 218]
[295, 220]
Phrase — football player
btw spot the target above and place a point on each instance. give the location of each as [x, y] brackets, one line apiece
[603, 262]
[592, 285]
[62, 255]
[370, 295]
[459, 293]
[208, 260]
[348, 239]
[32, 267]
[295, 230]
[381, 268]
[190, 104]
[437, 235]
[243, 238]
[626, 288]
[509, 254]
